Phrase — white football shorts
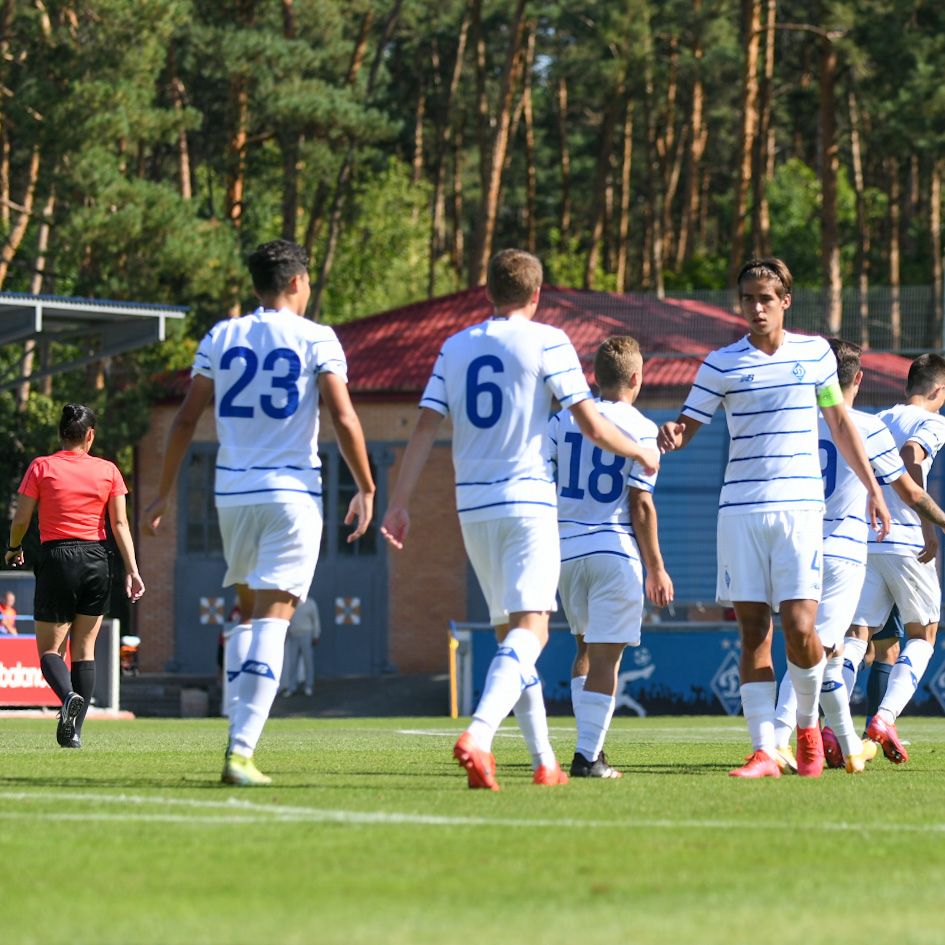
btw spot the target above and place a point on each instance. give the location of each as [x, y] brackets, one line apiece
[271, 547]
[602, 597]
[843, 581]
[768, 557]
[517, 561]
[901, 580]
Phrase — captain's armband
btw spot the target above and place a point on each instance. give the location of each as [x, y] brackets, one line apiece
[830, 396]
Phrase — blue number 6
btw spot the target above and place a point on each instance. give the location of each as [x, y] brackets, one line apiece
[475, 388]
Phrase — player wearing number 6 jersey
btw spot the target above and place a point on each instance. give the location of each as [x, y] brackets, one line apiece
[266, 372]
[496, 381]
[770, 546]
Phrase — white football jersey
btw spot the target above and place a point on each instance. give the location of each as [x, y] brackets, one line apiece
[907, 422]
[264, 369]
[496, 381]
[594, 485]
[770, 405]
[846, 527]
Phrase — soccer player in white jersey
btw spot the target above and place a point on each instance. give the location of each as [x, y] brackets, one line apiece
[845, 543]
[902, 569]
[267, 372]
[606, 524]
[770, 547]
[496, 381]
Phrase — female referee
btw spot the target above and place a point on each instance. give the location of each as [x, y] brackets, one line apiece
[73, 577]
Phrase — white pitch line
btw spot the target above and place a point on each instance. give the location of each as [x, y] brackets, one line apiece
[235, 811]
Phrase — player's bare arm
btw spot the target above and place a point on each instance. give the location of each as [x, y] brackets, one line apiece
[675, 434]
[913, 455]
[334, 394]
[118, 516]
[601, 432]
[23, 514]
[199, 395]
[396, 522]
[848, 440]
[659, 585]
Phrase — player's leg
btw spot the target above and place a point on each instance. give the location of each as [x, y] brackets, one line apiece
[744, 580]
[855, 645]
[885, 653]
[785, 721]
[595, 711]
[578, 668]
[517, 564]
[917, 592]
[286, 539]
[82, 637]
[237, 641]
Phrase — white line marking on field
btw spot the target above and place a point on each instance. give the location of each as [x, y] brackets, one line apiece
[235, 811]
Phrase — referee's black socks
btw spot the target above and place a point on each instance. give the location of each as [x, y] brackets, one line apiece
[83, 682]
[56, 673]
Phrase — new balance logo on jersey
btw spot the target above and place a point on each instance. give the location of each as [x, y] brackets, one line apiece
[747, 378]
[798, 371]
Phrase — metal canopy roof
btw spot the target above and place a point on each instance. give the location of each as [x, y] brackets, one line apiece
[100, 328]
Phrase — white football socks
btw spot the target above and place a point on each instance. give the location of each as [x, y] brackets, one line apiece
[854, 649]
[807, 683]
[577, 687]
[512, 665]
[758, 707]
[594, 711]
[835, 701]
[234, 653]
[533, 721]
[258, 683]
[904, 678]
[785, 715]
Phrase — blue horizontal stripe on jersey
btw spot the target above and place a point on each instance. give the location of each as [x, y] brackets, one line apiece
[873, 459]
[708, 390]
[745, 459]
[578, 397]
[844, 558]
[758, 413]
[752, 436]
[886, 543]
[603, 526]
[590, 554]
[878, 432]
[769, 364]
[433, 400]
[644, 485]
[856, 541]
[739, 482]
[493, 505]
[847, 518]
[563, 344]
[755, 390]
[439, 377]
[267, 468]
[695, 410]
[271, 489]
[813, 500]
[492, 482]
[570, 370]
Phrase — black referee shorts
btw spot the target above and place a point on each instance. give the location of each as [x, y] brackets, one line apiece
[72, 577]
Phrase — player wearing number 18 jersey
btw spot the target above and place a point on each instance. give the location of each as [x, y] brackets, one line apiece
[267, 372]
[496, 381]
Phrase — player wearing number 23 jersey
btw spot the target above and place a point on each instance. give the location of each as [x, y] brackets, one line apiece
[265, 368]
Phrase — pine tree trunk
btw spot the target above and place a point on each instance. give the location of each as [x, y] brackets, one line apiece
[531, 174]
[18, 231]
[761, 218]
[862, 225]
[752, 18]
[623, 221]
[444, 133]
[895, 253]
[458, 246]
[829, 169]
[290, 143]
[935, 339]
[697, 142]
[598, 206]
[490, 207]
[562, 98]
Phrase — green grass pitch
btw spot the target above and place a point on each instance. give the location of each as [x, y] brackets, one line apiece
[369, 835]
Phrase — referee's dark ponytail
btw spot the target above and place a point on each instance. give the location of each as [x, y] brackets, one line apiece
[75, 423]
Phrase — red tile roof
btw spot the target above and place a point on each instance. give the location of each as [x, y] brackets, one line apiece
[393, 352]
